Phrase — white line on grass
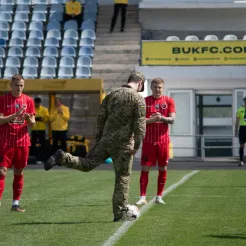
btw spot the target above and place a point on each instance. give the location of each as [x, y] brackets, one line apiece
[126, 225]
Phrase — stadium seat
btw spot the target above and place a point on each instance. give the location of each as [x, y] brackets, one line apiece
[30, 62]
[172, 38]
[69, 42]
[65, 72]
[24, 2]
[8, 2]
[88, 33]
[54, 25]
[1, 63]
[19, 25]
[86, 42]
[18, 34]
[7, 9]
[3, 42]
[2, 52]
[34, 42]
[36, 25]
[230, 37]
[41, 2]
[71, 24]
[4, 25]
[86, 51]
[33, 52]
[56, 16]
[47, 73]
[9, 71]
[16, 42]
[54, 34]
[211, 38]
[30, 73]
[67, 61]
[90, 15]
[68, 51]
[56, 1]
[13, 62]
[39, 17]
[71, 33]
[20, 16]
[36, 34]
[5, 17]
[84, 61]
[22, 8]
[90, 7]
[83, 72]
[191, 38]
[49, 61]
[88, 24]
[53, 42]
[51, 51]
[40, 8]
[56, 8]
[4, 34]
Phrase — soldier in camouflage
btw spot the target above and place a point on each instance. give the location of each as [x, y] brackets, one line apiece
[121, 127]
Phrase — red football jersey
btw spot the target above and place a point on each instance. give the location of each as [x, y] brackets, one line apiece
[15, 133]
[158, 132]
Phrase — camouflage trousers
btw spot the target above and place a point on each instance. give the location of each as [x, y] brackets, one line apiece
[122, 163]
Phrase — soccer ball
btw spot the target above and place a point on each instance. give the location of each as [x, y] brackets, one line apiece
[132, 212]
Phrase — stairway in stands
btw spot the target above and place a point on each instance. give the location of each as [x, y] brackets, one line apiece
[116, 54]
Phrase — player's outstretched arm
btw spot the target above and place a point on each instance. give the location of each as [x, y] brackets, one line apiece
[7, 119]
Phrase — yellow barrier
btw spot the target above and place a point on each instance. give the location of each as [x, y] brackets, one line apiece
[193, 53]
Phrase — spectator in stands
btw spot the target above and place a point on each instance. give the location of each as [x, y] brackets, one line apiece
[38, 131]
[59, 117]
[119, 5]
[73, 11]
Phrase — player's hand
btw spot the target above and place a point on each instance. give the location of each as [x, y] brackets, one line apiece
[19, 112]
[236, 134]
[26, 116]
[133, 151]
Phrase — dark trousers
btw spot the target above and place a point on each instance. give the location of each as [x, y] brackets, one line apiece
[77, 18]
[59, 136]
[38, 137]
[117, 8]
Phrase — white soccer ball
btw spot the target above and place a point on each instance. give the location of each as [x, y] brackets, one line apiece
[132, 212]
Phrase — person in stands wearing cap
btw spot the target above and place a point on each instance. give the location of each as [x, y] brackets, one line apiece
[160, 112]
[119, 5]
[241, 134]
[121, 126]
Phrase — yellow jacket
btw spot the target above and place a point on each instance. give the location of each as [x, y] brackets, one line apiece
[59, 122]
[43, 113]
[241, 114]
[73, 8]
[121, 1]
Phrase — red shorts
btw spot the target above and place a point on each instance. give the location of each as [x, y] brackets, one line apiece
[152, 153]
[14, 156]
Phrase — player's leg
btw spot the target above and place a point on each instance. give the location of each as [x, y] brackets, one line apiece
[19, 163]
[122, 162]
[55, 139]
[115, 15]
[42, 141]
[242, 138]
[162, 156]
[6, 156]
[96, 156]
[123, 16]
[63, 139]
[148, 159]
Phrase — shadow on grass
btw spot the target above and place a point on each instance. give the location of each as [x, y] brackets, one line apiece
[61, 223]
[227, 236]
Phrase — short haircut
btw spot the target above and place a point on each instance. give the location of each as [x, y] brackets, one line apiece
[16, 77]
[37, 100]
[58, 98]
[134, 78]
[157, 81]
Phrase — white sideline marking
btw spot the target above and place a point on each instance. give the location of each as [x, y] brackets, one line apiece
[127, 224]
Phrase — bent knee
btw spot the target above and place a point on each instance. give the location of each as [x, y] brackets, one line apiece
[146, 168]
[3, 171]
[164, 168]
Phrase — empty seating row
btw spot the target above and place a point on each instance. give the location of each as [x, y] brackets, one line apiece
[206, 38]
[47, 2]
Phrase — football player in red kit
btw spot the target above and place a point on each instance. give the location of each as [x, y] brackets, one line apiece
[160, 112]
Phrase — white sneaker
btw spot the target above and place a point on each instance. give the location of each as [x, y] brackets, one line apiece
[142, 200]
[240, 164]
[39, 163]
[159, 200]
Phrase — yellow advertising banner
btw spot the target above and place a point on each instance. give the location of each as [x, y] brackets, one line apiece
[193, 53]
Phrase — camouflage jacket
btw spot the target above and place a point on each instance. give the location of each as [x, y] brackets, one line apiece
[122, 117]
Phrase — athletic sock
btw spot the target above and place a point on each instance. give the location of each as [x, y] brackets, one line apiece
[144, 179]
[161, 182]
[241, 153]
[2, 182]
[17, 188]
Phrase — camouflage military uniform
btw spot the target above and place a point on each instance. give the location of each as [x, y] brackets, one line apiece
[121, 126]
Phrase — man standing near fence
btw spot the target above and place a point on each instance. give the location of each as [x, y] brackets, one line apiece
[160, 111]
[240, 130]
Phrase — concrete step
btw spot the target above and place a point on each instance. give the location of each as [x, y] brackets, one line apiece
[128, 28]
[119, 34]
[117, 48]
[108, 68]
[128, 25]
[119, 42]
[115, 57]
[112, 77]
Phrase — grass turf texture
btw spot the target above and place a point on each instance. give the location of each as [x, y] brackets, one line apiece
[73, 208]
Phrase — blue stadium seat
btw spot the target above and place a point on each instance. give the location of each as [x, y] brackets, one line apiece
[49, 61]
[51, 51]
[7, 9]
[48, 73]
[39, 17]
[30, 62]
[83, 72]
[86, 42]
[5, 17]
[56, 16]
[3, 42]
[41, 2]
[8, 2]
[68, 51]
[54, 25]
[84, 61]
[71, 33]
[36, 25]
[19, 34]
[90, 15]
[10, 71]
[24, 2]
[2, 52]
[30, 73]
[22, 8]
[33, 52]
[40, 8]
[88, 24]
[34, 42]
[36, 34]
[88, 33]
[57, 8]
[67, 61]
[86, 51]
[53, 42]
[65, 72]
[54, 34]
[13, 61]
[4, 34]
[20, 16]
[71, 42]
[56, 1]
[16, 42]
[19, 25]
[4, 25]
[71, 24]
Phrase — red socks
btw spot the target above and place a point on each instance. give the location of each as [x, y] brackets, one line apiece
[2, 179]
[17, 186]
[161, 182]
[144, 179]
